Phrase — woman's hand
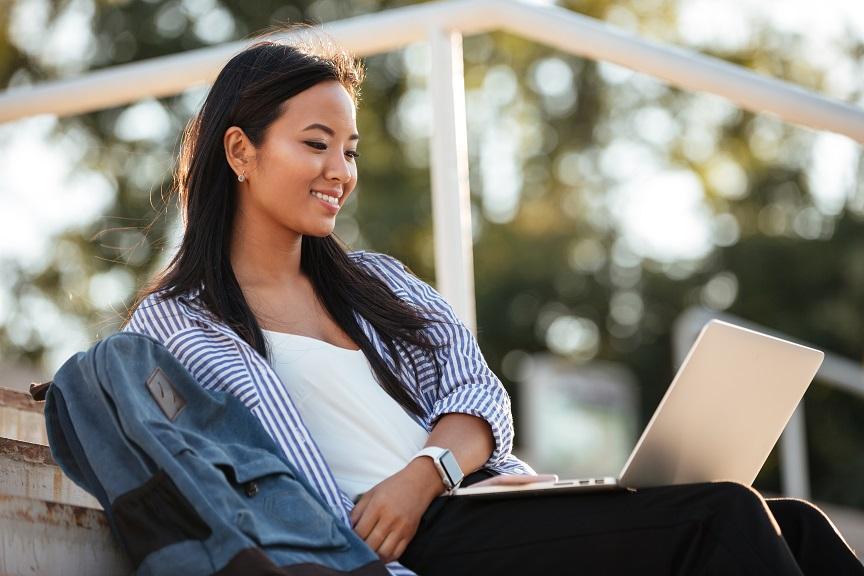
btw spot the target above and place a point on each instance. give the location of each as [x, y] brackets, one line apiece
[516, 480]
[387, 516]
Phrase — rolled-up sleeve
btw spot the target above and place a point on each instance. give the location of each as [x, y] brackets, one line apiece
[467, 384]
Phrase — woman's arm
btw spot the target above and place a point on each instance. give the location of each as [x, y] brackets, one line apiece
[387, 516]
[468, 437]
[468, 405]
[466, 385]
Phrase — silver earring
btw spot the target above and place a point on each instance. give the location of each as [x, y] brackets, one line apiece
[241, 177]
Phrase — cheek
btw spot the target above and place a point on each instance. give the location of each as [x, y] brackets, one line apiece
[290, 162]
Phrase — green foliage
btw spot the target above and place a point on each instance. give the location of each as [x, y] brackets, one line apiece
[561, 251]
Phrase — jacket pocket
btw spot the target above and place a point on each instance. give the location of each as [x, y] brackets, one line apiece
[276, 509]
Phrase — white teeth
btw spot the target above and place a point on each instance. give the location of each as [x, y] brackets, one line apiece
[331, 199]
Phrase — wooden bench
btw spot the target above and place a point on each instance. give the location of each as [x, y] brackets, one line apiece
[49, 526]
[21, 417]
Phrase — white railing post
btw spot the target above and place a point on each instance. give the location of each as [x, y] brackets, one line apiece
[794, 470]
[448, 150]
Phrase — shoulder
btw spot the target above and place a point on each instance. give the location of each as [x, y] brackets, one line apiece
[377, 261]
[404, 283]
[161, 316]
[392, 271]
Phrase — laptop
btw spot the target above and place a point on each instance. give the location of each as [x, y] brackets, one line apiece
[719, 419]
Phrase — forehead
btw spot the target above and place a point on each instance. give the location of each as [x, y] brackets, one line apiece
[327, 103]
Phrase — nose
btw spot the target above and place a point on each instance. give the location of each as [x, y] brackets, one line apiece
[338, 169]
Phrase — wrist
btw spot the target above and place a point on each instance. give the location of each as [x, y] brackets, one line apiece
[423, 469]
[445, 464]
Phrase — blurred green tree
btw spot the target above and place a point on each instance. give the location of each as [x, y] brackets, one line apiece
[556, 145]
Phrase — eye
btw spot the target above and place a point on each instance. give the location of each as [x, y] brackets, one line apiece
[352, 154]
[316, 145]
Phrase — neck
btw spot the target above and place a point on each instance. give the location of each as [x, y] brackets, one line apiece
[264, 257]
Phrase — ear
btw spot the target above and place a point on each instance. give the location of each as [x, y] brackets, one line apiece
[238, 150]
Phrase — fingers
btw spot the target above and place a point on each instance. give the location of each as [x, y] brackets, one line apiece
[392, 547]
[386, 539]
[400, 549]
[365, 525]
[519, 479]
[386, 524]
[377, 537]
[357, 512]
[516, 480]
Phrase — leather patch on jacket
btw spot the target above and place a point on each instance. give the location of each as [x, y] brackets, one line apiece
[155, 515]
[166, 396]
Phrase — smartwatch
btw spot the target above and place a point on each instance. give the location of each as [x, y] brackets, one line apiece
[446, 464]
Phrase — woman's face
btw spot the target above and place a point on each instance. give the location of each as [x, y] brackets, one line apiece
[305, 168]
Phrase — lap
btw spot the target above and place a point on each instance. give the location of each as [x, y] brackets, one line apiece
[588, 509]
[597, 527]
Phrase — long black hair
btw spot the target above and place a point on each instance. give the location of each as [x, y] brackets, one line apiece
[249, 93]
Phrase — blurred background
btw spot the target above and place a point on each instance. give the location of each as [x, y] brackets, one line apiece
[605, 203]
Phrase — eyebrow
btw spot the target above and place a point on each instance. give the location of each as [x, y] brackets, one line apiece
[328, 130]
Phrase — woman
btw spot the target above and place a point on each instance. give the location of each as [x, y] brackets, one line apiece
[368, 381]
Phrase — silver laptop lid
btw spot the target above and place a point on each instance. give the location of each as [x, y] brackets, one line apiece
[725, 409]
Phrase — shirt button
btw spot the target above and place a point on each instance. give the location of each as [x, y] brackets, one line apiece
[251, 489]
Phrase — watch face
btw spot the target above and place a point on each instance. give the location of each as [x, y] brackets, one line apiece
[451, 467]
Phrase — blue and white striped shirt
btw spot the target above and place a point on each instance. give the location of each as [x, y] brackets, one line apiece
[222, 361]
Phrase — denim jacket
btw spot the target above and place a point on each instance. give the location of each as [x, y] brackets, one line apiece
[190, 481]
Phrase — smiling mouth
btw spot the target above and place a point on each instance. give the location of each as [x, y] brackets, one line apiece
[333, 200]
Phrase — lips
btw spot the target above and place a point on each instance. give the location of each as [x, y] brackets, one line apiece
[329, 203]
[331, 198]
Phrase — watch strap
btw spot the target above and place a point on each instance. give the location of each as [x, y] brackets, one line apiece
[433, 452]
[436, 453]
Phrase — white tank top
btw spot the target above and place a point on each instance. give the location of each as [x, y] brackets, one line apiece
[363, 433]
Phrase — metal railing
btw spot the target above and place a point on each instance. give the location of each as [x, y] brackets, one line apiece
[442, 25]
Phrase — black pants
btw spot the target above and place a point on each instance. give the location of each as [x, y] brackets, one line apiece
[697, 529]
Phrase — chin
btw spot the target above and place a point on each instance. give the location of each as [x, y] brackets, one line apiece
[323, 233]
